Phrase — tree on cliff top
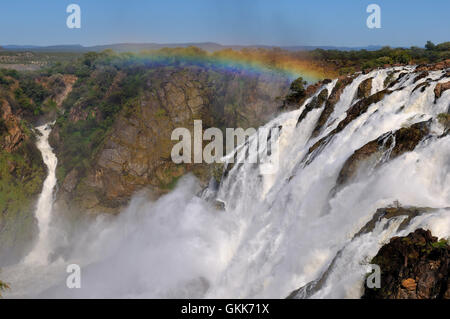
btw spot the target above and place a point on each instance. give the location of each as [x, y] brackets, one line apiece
[297, 90]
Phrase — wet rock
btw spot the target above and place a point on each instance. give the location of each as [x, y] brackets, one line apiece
[389, 79]
[392, 212]
[315, 103]
[331, 102]
[353, 112]
[314, 286]
[219, 205]
[364, 89]
[421, 75]
[351, 166]
[11, 135]
[71, 180]
[416, 266]
[422, 86]
[361, 107]
[440, 88]
[397, 80]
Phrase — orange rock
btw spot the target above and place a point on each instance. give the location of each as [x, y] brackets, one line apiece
[409, 284]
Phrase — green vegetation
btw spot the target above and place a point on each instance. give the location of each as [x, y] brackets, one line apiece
[21, 178]
[441, 244]
[30, 95]
[350, 61]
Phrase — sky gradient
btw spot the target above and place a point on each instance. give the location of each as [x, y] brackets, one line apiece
[240, 22]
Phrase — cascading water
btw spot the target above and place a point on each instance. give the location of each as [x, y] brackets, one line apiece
[278, 232]
[40, 252]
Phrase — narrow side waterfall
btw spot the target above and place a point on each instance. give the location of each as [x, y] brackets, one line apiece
[40, 252]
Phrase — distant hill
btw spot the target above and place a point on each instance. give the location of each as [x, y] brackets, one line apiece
[136, 47]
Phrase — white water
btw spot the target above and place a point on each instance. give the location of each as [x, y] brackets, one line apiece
[40, 252]
[279, 232]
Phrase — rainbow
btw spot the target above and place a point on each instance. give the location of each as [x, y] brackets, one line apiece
[251, 62]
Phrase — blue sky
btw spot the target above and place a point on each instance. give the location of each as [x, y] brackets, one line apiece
[272, 22]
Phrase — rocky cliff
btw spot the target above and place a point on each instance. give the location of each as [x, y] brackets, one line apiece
[133, 151]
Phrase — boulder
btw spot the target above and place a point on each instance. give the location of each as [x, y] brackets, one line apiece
[364, 89]
[441, 87]
[416, 266]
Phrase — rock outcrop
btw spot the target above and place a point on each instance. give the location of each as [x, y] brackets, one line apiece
[416, 266]
[440, 88]
[352, 113]
[11, 132]
[364, 89]
[316, 102]
[331, 102]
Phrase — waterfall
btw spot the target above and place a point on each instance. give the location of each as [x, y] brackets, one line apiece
[278, 232]
[301, 229]
[40, 252]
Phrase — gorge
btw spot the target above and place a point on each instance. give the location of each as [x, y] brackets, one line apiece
[363, 158]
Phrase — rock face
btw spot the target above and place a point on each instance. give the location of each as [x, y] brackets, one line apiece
[390, 145]
[136, 152]
[413, 267]
[11, 132]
